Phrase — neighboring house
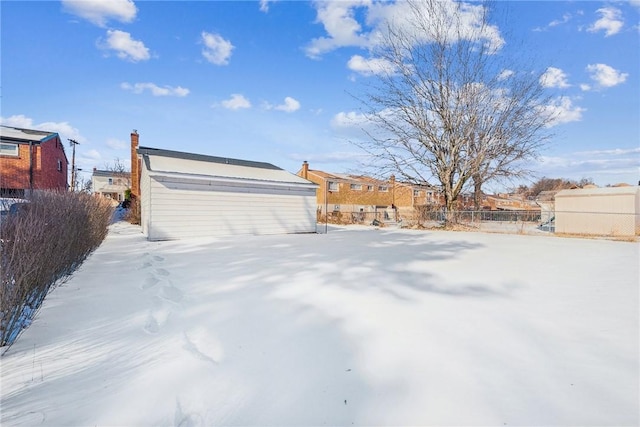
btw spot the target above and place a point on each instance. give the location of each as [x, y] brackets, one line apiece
[509, 203]
[185, 195]
[355, 194]
[110, 184]
[609, 211]
[31, 160]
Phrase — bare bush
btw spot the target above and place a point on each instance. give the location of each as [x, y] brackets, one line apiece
[42, 243]
[133, 212]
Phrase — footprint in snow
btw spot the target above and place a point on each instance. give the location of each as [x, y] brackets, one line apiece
[150, 282]
[151, 325]
[162, 272]
[145, 265]
[172, 294]
[203, 345]
[158, 258]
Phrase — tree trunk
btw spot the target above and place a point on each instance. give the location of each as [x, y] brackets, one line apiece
[477, 193]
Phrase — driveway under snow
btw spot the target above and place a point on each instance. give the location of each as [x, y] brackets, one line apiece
[359, 326]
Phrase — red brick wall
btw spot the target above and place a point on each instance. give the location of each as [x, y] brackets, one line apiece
[135, 165]
[44, 157]
[46, 174]
[14, 171]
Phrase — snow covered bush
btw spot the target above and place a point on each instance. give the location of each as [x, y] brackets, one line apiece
[41, 244]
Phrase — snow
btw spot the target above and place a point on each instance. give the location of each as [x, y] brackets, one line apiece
[359, 326]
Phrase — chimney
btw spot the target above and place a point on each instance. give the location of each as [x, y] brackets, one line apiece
[135, 165]
[305, 169]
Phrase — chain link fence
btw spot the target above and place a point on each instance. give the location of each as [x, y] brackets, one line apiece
[597, 224]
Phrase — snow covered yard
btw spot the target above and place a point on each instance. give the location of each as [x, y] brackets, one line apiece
[359, 326]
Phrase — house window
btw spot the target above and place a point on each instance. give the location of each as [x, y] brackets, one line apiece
[110, 181]
[383, 188]
[59, 165]
[416, 193]
[9, 149]
[333, 186]
[357, 187]
[369, 187]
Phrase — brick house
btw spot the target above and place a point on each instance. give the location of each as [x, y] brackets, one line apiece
[356, 194]
[31, 160]
[110, 184]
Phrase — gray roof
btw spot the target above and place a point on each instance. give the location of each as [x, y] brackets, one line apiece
[109, 174]
[23, 136]
[196, 166]
[204, 158]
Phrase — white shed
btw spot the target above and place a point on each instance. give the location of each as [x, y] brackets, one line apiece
[610, 211]
[187, 195]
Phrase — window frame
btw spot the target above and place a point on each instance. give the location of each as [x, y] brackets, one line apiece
[5, 145]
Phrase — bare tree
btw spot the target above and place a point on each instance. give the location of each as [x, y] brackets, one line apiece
[120, 171]
[447, 104]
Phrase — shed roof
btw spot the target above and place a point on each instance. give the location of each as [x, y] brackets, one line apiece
[20, 135]
[580, 192]
[167, 162]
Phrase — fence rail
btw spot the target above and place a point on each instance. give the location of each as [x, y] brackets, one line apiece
[522, 222]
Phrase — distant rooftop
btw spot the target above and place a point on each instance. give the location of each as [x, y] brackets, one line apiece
[106, 173]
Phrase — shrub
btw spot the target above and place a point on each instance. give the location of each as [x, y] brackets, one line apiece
[41, 246]
[133, 211]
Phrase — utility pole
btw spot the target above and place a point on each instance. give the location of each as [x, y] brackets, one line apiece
[73, 143]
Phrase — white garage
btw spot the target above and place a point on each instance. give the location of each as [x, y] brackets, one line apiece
[187, 195]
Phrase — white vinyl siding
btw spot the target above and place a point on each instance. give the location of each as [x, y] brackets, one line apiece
[182, 207]
[145, 201]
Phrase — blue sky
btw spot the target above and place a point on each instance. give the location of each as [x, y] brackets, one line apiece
[275, 81]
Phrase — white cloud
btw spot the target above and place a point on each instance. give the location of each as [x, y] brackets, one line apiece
[565, 18]
[561, 110]
[585, 87]
[64, 129]
[610, 21]
[505, 74]
[289, 106]
[116, 144]
[99, 12]
[349, 120]
[604, 166]
[236, 102]
[612, 152]
[343, 29]
[369, 67]
[338, 19]
[217, 50]
[556, 22]
[264, 5]
[125, 47]
[155, 89]
[554, 77]
[92, 155]
[605, 75]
